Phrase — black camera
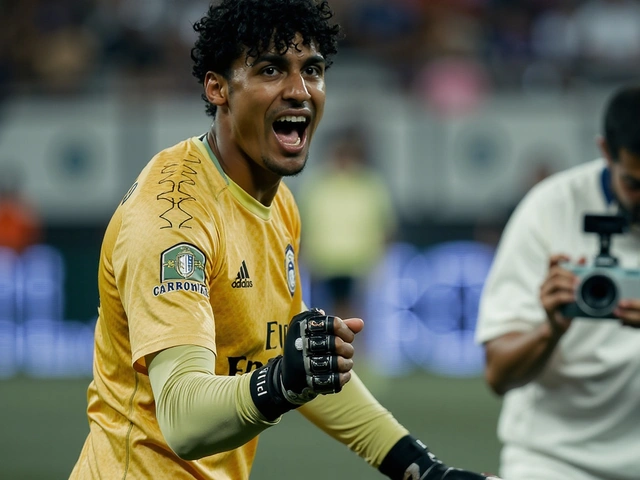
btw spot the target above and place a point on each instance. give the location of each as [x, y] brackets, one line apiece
[603, 284]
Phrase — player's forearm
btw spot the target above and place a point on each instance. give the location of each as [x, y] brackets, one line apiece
[199, 413]
[355, 418]
[516, 358]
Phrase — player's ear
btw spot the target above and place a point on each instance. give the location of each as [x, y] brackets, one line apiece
[216, 88]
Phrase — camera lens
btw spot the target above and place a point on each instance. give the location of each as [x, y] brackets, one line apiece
[599, 292]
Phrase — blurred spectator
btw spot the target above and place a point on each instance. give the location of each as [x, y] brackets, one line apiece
[19, 223]
[553, 33]
[509, 46]
[347, 220]
[452, 80]
[454, 28]
[452, 86]
[87, 45]
[609, 38]
[390, 32]
[49, 41]
[554, 41]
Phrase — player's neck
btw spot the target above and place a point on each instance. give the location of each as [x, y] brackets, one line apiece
[244, 172]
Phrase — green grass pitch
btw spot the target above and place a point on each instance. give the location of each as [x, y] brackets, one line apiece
[43, 425]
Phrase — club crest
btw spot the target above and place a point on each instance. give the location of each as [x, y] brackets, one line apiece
[182, 262]
[290, 268]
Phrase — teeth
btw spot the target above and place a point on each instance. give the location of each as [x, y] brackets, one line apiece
[292, 118]
[298, 140]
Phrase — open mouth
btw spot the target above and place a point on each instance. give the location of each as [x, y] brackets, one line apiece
[291, 131]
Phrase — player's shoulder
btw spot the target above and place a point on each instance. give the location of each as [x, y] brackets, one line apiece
[183, 166]
[188, 154]
[179, 181]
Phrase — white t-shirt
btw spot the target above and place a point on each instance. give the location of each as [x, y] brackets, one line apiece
[584, 407]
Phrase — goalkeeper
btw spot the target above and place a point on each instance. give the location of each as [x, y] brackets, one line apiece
[202, 340]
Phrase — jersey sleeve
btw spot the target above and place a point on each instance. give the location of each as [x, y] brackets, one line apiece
[510, 300]
[355, 418]
[200, 413]
[164, 259]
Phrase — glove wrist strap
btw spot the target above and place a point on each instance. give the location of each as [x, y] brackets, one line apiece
[404, 455]
[266, 391]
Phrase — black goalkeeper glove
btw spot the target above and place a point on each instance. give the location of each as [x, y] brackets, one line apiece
[410, 459]
[308, 366]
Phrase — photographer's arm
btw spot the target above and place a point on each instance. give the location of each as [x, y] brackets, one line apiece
[516, 358]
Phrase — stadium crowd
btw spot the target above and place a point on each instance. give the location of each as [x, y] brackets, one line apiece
[75, 46]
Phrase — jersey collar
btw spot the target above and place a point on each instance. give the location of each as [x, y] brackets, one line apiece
[605, 182]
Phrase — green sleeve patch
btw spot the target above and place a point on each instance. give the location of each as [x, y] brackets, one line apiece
[182, 261]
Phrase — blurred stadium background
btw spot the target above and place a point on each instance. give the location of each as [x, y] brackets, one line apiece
[466, 104]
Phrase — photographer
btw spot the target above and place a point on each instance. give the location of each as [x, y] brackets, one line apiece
[572, 385]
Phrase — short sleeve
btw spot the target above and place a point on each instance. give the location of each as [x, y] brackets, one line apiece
[163, 273]
[510, 298]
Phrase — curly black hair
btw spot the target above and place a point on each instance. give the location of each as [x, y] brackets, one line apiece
[232, 26]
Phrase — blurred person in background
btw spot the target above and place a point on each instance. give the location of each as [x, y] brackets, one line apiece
[571, 385]
[555, 44]
[195, 352]
[348, 219]
[387, 32]
[451, 78]
[20, 225]
[608, 39]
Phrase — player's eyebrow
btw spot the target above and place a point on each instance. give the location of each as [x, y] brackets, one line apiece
[315, 60]
[282, 61]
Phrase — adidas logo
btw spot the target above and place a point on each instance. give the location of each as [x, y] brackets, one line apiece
[242, 279]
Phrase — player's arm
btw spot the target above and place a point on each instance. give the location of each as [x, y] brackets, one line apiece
[354, 417]
[200, 413]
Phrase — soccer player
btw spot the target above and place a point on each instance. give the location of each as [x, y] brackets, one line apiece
[203, 340]
[572, 385]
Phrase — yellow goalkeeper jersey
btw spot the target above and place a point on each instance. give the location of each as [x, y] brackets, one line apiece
[188, 258]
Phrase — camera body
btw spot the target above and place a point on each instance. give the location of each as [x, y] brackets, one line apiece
[603, 284]
[600, 289]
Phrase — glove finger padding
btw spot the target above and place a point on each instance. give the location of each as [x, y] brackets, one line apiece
[308, 367]
[310, 363]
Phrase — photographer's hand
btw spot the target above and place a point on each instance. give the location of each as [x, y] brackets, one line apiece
[558, 289]
[628, 312]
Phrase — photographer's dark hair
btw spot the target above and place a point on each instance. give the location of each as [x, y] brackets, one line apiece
[231, 26]
[622, 121]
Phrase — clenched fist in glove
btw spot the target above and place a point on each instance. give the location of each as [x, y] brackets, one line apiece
[316, 359]
[410, 459]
